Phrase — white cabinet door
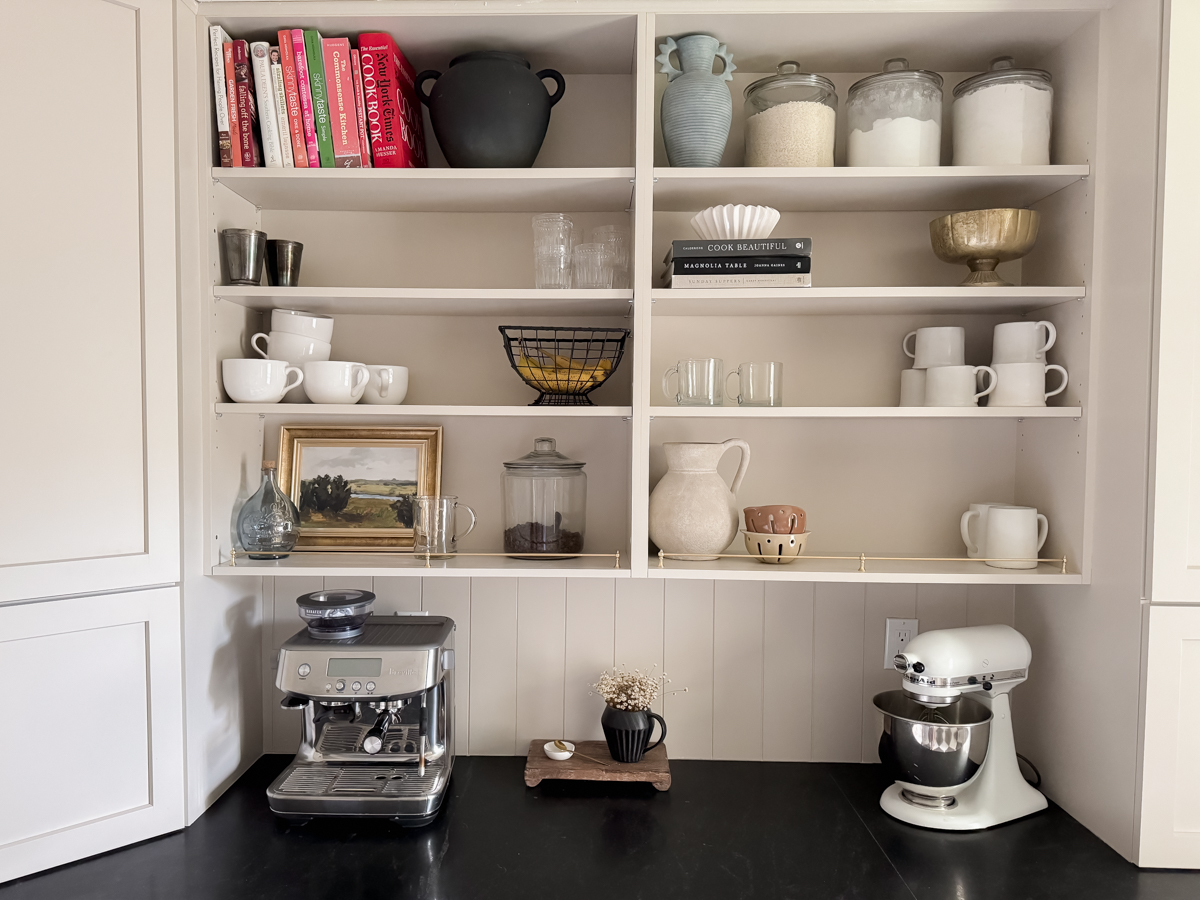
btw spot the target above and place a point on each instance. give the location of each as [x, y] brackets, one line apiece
[92, 754]
[88, 298]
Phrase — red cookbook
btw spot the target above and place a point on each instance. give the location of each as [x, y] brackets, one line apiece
[235, 131]
[392, 110]
[339, 89]
[246, 111]
[291, 95]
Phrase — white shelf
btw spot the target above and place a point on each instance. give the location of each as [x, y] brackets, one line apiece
[430, 301]
[325, 410]
[884, 572]
[433, 190]
[866, 412]
[862, 189]
[853, 301]
[347, 565]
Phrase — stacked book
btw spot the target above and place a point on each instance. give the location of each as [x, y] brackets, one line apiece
[312, 102]
[772, 262]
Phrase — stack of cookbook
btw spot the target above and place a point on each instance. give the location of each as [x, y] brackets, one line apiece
[771, 262]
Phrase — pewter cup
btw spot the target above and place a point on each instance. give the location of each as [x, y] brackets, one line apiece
[244, 250]
[283, 263]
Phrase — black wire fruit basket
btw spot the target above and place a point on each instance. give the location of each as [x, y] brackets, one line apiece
[564, 364]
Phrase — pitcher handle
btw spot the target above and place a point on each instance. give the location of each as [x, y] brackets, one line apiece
[559, 81]
[1043, 530]
[470, 527]
[741, 472]
[964, 529]
[662, 735]
[419, 84]
[1051, 335]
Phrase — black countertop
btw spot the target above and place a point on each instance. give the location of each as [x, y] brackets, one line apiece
[724, 830]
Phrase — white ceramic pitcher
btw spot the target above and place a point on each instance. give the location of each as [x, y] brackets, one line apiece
[691, 509]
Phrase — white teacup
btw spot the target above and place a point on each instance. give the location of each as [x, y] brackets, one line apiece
[938, 346]
[305, 324]
[1022, 342]
[955, 385]
[335, 382]
[387, 385]
[976, 537]
[1024, 384]
[1015, 534]
[294, 348]
[258, 380]
[912, 387]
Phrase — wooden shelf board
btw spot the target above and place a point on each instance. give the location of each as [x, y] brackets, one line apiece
[346, 565]
[860, 189]
[851, 301]
[430, 301]
[304, 410]
[891, 572]
[865, 412]
[433, 190]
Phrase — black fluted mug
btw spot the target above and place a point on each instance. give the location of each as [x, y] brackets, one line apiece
[627, 732]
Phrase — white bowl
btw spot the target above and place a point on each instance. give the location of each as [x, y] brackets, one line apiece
[734, 221]
[554, 753]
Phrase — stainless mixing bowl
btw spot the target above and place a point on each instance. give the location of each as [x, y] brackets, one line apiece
[936, 748]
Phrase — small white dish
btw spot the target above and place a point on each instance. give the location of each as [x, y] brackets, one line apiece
[734, 221]
[554, 753]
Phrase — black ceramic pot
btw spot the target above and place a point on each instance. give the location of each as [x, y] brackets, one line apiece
[489, 110]
[628, 732]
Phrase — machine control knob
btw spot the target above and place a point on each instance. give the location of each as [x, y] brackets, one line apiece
[372, 743]
[328, 687]
[357, 686]
[370, 686]
[987, 685]
[341, 685]
[972, 680]
[918, 667]
[304, 669]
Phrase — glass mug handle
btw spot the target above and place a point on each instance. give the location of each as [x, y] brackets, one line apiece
[471, 527]
[738, 398]
[674, 370]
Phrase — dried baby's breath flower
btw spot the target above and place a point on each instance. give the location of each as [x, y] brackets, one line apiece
[623, 689]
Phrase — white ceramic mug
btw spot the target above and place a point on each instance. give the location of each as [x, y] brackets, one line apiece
[912, 387]
[1024, 384]
[955, 385]
[976, 515]
[1015, 534]
[258, 380]
[294, 348]
[305, 324]
[335, 382]
[939, 346]
[1022, 342]
[387, 385]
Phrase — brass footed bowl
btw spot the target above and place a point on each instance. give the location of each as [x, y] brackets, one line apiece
[984, 238]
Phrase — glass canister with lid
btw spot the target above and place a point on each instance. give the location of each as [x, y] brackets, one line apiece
[1002, 117]
[895, 117]
[790, 119]
[545, 502]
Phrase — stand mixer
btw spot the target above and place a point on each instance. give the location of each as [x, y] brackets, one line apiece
[953, 756]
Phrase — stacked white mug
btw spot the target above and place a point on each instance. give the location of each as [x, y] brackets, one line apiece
[939, 376]
[1019, 358]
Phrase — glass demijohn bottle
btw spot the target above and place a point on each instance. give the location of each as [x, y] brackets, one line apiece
[269, 523]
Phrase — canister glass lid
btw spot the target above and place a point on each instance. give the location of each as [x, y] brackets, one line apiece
[1001, 69]
[544, 456]
[788, 75]
[894, 70]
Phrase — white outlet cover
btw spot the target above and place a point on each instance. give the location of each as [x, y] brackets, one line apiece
[898, 633]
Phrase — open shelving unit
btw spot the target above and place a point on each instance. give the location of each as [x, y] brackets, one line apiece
[419, 267]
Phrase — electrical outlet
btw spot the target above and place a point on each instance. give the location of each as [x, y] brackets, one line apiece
[899, 633]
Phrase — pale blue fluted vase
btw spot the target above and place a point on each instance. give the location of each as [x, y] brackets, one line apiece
[696, 107]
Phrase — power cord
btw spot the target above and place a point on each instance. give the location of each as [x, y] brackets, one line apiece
[1037, 774]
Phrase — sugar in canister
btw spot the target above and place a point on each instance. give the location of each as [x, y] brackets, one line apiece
[791, 118]
[1003, 117]
[895, 117]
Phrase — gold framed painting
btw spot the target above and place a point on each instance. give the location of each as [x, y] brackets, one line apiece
[354, 484]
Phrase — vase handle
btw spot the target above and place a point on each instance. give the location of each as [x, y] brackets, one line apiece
[558, 80]
[661, 724]
[419, 84]
[741, 472]
[664, 59]
[726, 57]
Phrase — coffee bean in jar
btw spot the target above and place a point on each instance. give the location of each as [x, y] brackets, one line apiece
[545, 502]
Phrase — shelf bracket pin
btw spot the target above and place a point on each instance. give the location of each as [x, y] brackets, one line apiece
[862, 562]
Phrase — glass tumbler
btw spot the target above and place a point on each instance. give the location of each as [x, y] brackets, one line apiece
[553, 243]
[616, 239]
[435, 529]
[700, 382]
[759, 384]
[593, 266]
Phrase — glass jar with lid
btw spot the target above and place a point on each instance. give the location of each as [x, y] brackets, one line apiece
[895, 117]
[1002, 117]
[545, 502]
[790, 119]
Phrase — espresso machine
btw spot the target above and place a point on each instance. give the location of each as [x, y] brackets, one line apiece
[948, 737]
[377, 696]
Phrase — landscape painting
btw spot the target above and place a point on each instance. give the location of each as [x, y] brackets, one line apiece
[354, 486]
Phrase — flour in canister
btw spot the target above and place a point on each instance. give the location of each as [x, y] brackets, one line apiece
[797, 133]
[903, 141]
[1003, 125]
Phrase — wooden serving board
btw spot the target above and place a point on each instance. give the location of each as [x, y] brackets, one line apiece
[653, 767]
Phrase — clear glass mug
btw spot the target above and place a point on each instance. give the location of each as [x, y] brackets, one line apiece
[759, 384]
[700, 382]
[434, 525]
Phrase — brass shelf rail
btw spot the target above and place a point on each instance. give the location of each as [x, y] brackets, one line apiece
[412, 554]
[863, 559]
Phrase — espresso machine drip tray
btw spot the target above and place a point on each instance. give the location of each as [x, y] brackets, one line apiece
[358, 781]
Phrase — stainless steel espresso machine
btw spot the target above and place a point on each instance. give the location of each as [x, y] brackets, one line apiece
[377, 695]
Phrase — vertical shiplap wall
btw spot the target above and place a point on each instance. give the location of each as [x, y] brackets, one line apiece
[773, 671]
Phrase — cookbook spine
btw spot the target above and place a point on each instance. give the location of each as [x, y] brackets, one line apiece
[320, 98]
[393, 114]
[291, 95]
[216, 45]
[730, 265]
[268, 121]
[360, 111]
[744, 247]
[306, 109]
[343, 121]
[235, 128]
[281, 114]
[740, 281]
[247, 112]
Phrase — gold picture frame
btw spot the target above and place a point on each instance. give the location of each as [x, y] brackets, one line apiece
[318, 465]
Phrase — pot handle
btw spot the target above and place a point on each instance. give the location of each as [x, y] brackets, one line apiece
[662, 736]
[419, 84]
[742, 466]
[558, 80]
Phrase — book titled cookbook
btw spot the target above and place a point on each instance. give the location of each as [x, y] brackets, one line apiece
[735, 265]
[393, 112]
